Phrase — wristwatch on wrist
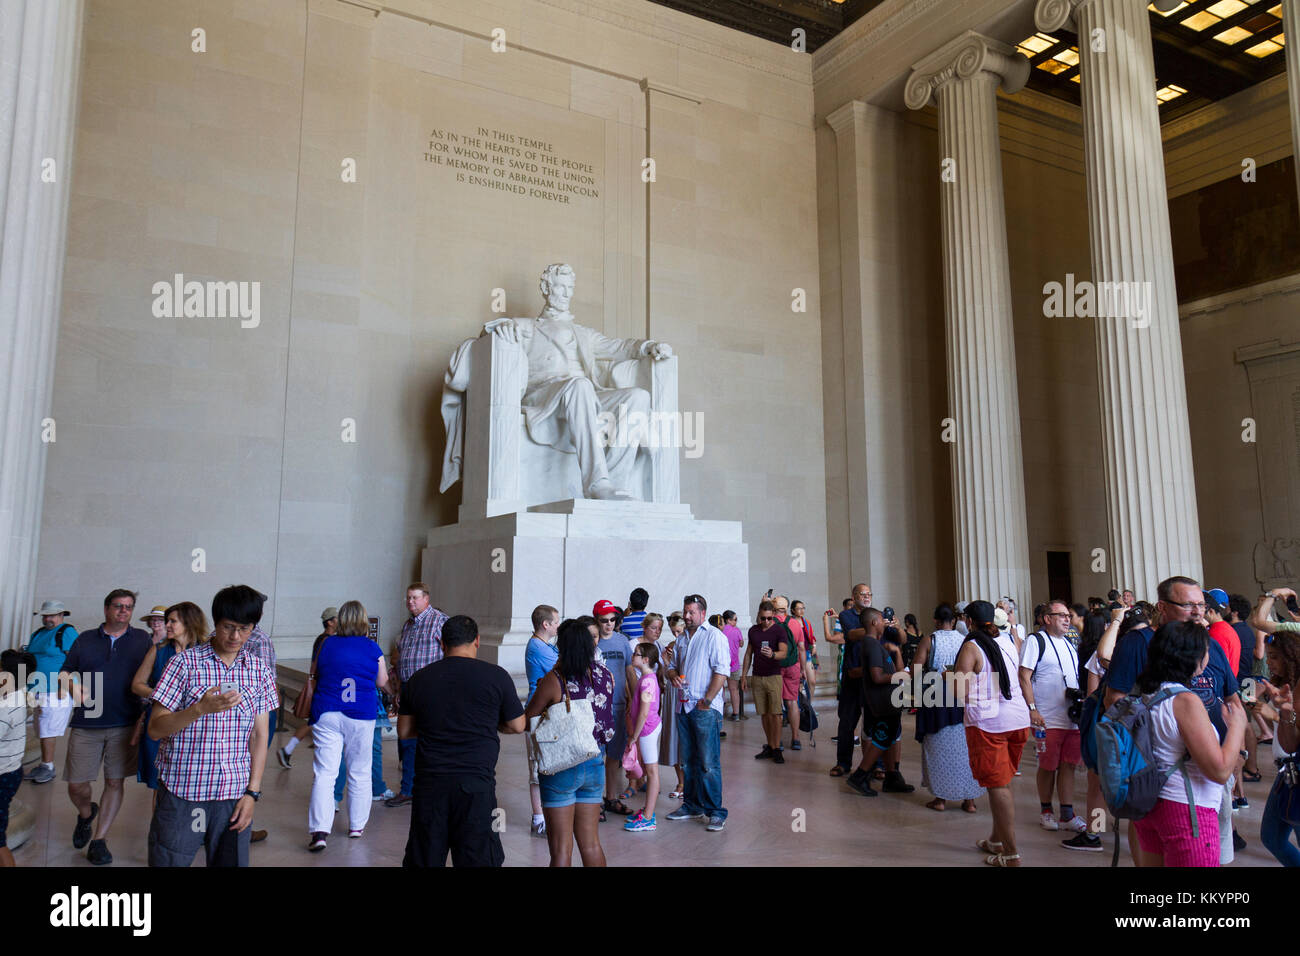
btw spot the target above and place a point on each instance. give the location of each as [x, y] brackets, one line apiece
[255, 794]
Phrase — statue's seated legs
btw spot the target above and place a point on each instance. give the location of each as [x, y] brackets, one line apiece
[605, 470]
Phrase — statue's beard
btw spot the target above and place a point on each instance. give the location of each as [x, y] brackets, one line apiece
[552, 312]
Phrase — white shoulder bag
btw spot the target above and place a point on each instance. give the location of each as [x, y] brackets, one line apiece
[563, 735]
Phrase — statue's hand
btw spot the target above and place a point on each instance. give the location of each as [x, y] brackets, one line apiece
[505, 328]
[660, 351]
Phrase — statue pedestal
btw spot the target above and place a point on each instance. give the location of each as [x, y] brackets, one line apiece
[571, 554]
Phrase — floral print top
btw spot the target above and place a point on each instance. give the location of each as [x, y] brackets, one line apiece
[597, 687]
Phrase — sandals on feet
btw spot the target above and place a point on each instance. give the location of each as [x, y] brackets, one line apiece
[934, 805]
[1000, 859]
[1249, 777]
[837, 771]
[615, 806]
[988, 846]
[969, 806]
[627, 794]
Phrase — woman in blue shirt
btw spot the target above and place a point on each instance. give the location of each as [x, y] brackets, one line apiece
[349, 669]
[186, 627]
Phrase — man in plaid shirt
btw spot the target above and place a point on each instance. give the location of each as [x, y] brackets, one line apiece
[259, 644]
[214, 744]
[419, 646]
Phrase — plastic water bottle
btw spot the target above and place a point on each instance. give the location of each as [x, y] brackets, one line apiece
[1040, 740]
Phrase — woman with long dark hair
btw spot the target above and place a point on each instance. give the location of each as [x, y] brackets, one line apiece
[1183, 827]
[571, 798]
[1097, 637]
[1283, 656]
[997, 723]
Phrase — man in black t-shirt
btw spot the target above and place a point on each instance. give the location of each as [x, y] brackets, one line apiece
[882, 722]
[455, 707]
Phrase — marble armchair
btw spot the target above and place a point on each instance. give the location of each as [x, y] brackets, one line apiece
[505, 471]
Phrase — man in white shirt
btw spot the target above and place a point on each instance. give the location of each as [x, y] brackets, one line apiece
[705, 663]
[1049, 670]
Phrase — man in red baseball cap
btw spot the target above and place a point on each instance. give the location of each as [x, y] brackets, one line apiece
[617, 652]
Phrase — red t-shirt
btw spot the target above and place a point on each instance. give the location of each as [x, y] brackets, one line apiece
[1223, 633]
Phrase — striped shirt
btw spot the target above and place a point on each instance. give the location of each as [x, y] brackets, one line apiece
[13, 731]
[210, 759]
[421, 642]
[633, 626]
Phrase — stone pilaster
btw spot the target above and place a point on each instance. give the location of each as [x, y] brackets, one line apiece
[1150, 491]
[40, 47]
[990, 526]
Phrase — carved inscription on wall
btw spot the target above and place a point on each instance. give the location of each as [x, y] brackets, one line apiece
[512, 162]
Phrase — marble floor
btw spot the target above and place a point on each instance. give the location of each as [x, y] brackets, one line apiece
[765, 801]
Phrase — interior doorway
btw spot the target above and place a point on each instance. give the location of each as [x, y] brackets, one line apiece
[1059, 580]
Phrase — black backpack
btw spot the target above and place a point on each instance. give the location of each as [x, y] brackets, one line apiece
[807, 716]
[58, 638]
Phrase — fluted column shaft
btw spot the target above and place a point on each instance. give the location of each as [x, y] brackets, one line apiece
[40, 47]
[990, 526]
[1150, 491]
[1290, 26]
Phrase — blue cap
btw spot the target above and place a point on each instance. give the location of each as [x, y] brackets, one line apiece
[1218, 596]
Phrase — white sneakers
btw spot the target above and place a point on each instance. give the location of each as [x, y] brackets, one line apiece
[1075, 824]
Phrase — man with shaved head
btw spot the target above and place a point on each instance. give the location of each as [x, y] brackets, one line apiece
[850, 710]
[882, 722]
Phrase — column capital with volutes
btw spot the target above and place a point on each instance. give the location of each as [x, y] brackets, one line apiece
[964, 57]
[1051, 15]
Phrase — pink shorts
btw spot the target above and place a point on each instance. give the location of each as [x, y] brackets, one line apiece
[1167, 830]
[1062, 747]
[791, 678]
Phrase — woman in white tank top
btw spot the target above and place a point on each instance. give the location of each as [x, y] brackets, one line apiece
[997, 724]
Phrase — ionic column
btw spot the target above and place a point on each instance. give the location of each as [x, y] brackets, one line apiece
[40, 46]
[1150, 492]
[987, 467]
[1290, 24]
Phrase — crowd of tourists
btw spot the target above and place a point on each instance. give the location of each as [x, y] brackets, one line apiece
[619, 697]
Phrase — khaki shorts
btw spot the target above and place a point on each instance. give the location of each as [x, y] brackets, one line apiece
[89, 747]
[766, 692]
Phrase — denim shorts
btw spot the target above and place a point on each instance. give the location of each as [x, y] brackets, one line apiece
[584, 783]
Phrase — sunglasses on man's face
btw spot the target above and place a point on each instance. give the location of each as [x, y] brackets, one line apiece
[605, 620]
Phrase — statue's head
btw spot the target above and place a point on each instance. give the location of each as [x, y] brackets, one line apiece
[557, 286]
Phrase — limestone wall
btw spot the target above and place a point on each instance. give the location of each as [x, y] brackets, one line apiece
[231, 165]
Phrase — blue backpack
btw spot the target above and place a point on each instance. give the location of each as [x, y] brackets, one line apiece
[1131, 779]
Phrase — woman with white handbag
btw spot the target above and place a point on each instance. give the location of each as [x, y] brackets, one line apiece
[570, 720]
